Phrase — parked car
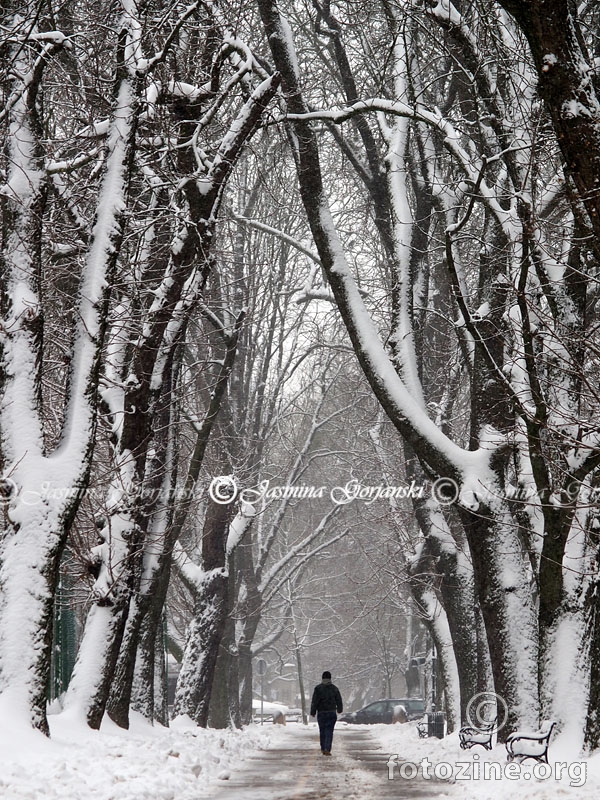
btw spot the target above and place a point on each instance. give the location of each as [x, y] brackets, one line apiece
[269, 710]
[415, 707]
[383, 711]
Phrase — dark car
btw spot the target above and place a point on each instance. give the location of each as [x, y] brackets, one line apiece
[415, 707]
[383, 711]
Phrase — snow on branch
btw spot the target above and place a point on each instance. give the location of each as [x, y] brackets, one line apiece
[241, 128]
[451, 142]
[134, 59]
[279, 234]
[295, 471]
[239, 525]
[401, 339]
[95, 281]
[441, 453]
[32, 76]
[276, 568]
[191, 572]
[303, 558]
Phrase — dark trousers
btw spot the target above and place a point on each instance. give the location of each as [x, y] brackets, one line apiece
[326, 720]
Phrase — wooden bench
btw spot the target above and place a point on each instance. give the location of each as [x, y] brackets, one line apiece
[530, 744]
[469, 736]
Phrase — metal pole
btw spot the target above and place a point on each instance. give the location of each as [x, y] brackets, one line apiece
[262, 697]
[433, 676]
[301, 683]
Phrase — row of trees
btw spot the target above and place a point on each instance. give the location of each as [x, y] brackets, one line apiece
[121, 136]
[467, 140]
[425, 173]
[146, 349]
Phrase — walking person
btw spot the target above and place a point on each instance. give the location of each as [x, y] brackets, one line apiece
[326, 704]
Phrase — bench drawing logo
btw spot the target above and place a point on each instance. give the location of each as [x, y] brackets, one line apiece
[487, 712]
[223, 489]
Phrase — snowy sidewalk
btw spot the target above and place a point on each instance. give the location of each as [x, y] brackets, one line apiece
[294, 769]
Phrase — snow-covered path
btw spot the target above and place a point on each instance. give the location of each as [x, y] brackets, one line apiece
[272, 762]
[294, 769]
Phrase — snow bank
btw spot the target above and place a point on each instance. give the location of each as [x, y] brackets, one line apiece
[177, 763]
[581, 783]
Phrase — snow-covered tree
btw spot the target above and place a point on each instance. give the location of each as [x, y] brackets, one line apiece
[45, 478]
[120, 134]
[193, 149]
[446, 159]
[563, 46]
[457, 162]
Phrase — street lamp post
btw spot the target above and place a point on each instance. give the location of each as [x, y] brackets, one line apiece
[261, 668]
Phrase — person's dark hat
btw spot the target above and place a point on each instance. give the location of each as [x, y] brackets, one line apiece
[326, 675]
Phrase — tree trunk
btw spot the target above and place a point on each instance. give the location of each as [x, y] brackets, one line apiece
[436, 622]
[485, 675]
[26, 619]
[456, 592]
[249, 627]
[148, 689]
[500, 560]
[566, 86]
[223, 712]
[592, 727]
[504, 592]
[161, 688]
[97, 658]
[137, 649]
[145, 693]
[34, 533]
[205, 632]
[195, 681]
[219, 711]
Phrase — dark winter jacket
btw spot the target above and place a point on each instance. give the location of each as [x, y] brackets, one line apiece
[326, 697]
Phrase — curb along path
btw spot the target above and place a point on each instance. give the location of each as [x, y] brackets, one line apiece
[294, 769]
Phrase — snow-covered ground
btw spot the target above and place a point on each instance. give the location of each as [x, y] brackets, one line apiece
[187, 763]
[580, 778]
[146, 763]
